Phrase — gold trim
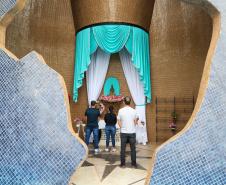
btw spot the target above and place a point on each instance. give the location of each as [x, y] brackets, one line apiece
[7, 19]
[216, 18]
[8, 52]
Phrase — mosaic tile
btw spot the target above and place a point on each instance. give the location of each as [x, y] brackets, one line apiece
[36, 145]
[5, 6]
[198, 155]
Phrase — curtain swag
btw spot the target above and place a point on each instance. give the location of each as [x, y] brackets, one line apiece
[111, 39]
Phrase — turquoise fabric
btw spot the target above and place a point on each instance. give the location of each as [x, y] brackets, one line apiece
[142, 104]
[112, 38]
[93, 42]
[82, 59]
[107, 86]
[141, 60]
[129, 43]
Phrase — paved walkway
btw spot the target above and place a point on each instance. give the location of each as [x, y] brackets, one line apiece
[102, 168]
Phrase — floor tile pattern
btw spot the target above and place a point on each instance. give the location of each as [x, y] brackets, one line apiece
[36, 145]
[103, 168]
[198, 155]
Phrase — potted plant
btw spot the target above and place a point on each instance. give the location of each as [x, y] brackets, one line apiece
[77, 122]
[173, 126]
[174, 116]
[83, 123]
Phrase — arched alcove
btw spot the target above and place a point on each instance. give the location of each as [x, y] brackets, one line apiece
[180, 45]
[179, 40]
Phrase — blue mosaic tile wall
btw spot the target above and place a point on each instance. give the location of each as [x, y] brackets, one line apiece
[36, 145]
[198, 155]
[5, 6]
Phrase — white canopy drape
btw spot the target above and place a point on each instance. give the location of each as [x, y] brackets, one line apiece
[95, 75]
[137, 92]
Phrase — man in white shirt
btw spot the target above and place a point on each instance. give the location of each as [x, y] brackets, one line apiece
[127, 120]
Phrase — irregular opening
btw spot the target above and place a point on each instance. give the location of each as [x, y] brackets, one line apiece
[179, 42]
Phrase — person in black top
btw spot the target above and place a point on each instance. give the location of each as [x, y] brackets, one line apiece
[110, 129]
[93, 117]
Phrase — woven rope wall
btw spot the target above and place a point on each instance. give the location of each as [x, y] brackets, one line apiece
[180, 37]
[88, 12]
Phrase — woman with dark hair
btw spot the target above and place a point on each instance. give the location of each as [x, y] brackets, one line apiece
[110, 129]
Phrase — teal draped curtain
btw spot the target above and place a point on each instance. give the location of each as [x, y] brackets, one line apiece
[93, 43]
[141, 60]
[82, 59]
[112, 38]
[129, 43]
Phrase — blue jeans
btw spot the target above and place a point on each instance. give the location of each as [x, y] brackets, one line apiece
[110, 130]
[95, 134]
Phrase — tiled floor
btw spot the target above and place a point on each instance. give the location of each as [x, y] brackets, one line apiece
[102, 168]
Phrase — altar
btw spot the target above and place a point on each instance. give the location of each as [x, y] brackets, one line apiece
[94, 46]
[103, 135]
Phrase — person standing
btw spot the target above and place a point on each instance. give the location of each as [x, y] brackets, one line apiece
[127, 120]
[110, 129]
[93, 117]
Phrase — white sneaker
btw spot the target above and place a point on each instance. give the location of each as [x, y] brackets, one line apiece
[114, 150]
[106, 150]
[98, 150]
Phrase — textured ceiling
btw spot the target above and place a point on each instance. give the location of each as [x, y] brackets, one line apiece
[88, 12]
